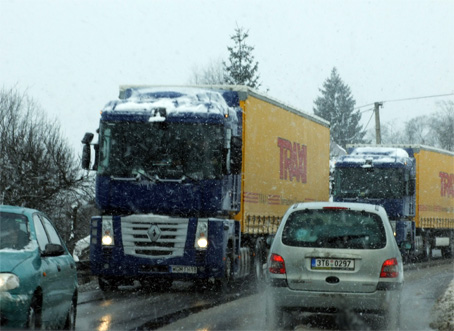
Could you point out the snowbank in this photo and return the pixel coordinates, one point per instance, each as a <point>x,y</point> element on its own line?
<point>445,310</point>
<point>81,245</point>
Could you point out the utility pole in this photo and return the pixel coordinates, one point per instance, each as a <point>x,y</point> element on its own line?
<point>377,106</point>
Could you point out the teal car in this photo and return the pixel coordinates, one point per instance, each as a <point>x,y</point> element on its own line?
<point>38,280</point>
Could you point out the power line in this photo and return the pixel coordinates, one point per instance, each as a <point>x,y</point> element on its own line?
<point>406,99</point>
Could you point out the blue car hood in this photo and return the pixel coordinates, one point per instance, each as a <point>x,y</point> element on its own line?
<point>10,259</point>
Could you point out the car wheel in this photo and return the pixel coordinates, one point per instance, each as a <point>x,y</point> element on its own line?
<point>34,315</point>
<point>274,316</point>
<point>392,316</point>
<point>70,323</point>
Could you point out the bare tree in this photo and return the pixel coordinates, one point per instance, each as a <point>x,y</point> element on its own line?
<point>37,168</point>
<point>435,130</point>
<point>212,74</point>
<point>442,125</point>
<point>390,134</point>
<point>418,131</point>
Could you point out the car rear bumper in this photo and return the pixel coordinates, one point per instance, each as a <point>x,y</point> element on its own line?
<point>374,302</point>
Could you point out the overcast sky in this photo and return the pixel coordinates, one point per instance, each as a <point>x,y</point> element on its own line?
<point>71,56</point>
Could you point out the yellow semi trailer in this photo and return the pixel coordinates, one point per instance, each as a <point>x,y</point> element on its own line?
<point>191,180</point>
<point>414,183</point>
<point>286,160</point>
<point>434,188</point>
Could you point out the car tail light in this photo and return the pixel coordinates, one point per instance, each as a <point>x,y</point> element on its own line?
<point>336,208</point>
<point>390,269</point>
<point>277,264</point>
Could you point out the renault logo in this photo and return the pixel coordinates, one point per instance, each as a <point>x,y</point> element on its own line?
<point>154,233</point>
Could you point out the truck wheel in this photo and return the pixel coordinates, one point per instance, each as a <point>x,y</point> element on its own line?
<point>106,284</point>
<point>202,285</point>
<point>224,285</point>
<point>157,285</point>
<point>448,251</point>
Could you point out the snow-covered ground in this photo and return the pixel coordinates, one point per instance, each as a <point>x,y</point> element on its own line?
<point>445,310</point>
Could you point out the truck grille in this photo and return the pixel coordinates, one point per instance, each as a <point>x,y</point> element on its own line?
<point>153,236</point>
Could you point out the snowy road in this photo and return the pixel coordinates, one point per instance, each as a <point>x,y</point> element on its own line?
<point>422,289</point>
<point>133,309</point>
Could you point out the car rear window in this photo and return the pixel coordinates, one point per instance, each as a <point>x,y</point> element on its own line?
<point>334,228</point>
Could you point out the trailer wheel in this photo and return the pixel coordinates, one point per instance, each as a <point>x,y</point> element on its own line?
<point>259,260</point>
<point>448,251</point>
<point>427,249</point>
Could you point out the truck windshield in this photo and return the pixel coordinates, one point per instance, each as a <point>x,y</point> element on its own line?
<point>368,183</point>
<point>163,150</point>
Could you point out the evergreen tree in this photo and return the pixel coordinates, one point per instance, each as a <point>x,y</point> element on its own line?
<point>336,105</point>
<point>241,70</point>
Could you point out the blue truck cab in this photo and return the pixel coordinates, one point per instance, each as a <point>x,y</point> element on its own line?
<point>383,176</point>
<point>167,184</point>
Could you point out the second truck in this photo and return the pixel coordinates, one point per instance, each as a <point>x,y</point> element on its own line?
<point>191,181</point>
<point>414,183</point>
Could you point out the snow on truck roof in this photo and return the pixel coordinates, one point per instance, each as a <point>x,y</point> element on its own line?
<point>376,154</point>
<point>380,151</point>
<point>173,100</point>
<point>214,93</point>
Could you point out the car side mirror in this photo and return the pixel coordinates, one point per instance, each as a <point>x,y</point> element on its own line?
<point>53,250</point>
<point>407,245</point>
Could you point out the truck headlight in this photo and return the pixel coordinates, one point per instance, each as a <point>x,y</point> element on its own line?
<point>107,231</point>
<point>201,235</point>
<point>8,282</point>
<point>202,242</point>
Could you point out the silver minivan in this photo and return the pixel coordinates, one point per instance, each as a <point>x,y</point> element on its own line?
<point>334,257</point>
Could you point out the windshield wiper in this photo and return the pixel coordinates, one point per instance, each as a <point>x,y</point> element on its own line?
<point>142,173</point>
<point>177,180</point>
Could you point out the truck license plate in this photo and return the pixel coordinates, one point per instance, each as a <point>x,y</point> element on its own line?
<point>332,264</point>
<point>184,269</point>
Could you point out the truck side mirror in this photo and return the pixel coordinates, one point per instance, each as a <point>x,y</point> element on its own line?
<point>96,148</point>
<point>86,152</point>
<point>86,157</point>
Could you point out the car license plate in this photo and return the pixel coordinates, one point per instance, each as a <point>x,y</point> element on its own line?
<point>184,269</point>
<point>332,264</point>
